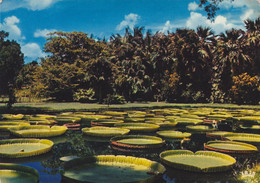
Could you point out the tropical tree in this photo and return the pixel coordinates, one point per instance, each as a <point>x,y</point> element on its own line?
<point>66,68</point>
<point>11,62</point>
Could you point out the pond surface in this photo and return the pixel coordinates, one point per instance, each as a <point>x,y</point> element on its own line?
<point>76,144</point>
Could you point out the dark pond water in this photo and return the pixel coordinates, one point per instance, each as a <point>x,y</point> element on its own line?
<point>76,144</point>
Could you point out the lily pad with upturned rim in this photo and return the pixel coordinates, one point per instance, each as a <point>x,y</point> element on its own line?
<point>244,137</point>
<point>110,169</point>
<point>19,148</point>
<point>137,141</point>
<point>105,131</point>
<point>170,134</point>
<point>217,134</point>
<point>13,173</point>
<point>201,161</point>
<point>105,122</point>
<point>230,147</point>
<point>4,126</point>
<point>12,116</point>
<point>138,127</point>
<point>38,131</point>
<point>199,128</point>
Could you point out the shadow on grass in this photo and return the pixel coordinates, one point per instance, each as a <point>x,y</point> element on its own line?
<point>24,110</point>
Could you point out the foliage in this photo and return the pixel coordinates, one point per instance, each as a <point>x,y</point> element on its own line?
<point>11,62</point>
<point>246,89</point>
<point>114,99</point>
<point>85,96</point>
<point>183,66</point>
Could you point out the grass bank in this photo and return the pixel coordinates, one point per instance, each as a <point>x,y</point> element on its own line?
<point>73,106</point>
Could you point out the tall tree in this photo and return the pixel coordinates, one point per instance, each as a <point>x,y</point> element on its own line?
<point>11,62</point>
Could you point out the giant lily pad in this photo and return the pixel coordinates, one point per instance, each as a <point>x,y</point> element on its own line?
<point>201,161</point>
<point>12,116</point>
<point>175,135</point>
<point>106,122</point>
<point>188,121</point>
<point>200,128</point>
<point>244,137</point>
<point>110,169</point>
<point>4,126</point>
<point>10,173</point>
<point>38,131</point>
<point>230,147</point>
<point>139,127</point>
<point>18,148</point>
<point>251,128</point>
<point>137,141</point>
<point>217,134</point>
<point>105,131</point>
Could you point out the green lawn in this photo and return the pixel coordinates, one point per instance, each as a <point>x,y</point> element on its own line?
<point>74,106</point>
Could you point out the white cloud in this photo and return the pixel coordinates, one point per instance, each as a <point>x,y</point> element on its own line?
<point>32,51</point>
<point>43,33</point>
<point>236,4</point>
<point>219,25</point>
<point>249,14</point>
<point>9,5</point>
<point>193,6</point>
<point>129,21</point>
<point>10,25</point>
<point>255,6</point>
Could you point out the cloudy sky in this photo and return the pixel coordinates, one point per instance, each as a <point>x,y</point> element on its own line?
<point>29,21</point>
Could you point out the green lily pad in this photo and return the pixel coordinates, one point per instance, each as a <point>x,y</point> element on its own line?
<point>106,122</point>
<point>12,116</point>
<point>217,134</point>
<point>230,147</point>
<point>244,137</point>
<point>201,161</point>
<point>174,134</point>
<point>138,127</point>
<point>105,131</point>
<point>19,148</point>
<point>12,173</point>
<point>137,141</point>
<point>200,128</point>
<point>4,126</point>
<point>188,121</point>
<point>111,169</point>
<point>38,131</point>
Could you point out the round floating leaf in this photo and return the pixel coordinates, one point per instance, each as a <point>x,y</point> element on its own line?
<point>105,131</point>
<point>114,113</point>
<point>217,134</point>
<point>12,116</point>
<point>230,147</point>
<point>38,131</point>
<point>174,134</point>
<point>244,137</point>
<point>19,148</point>
<point>110,169</point>
<point>12,173</point>
<point>137,141</point>
<point>188,121</point>
<point>106,122</point>
<point>200,128</point>
<point>4,126</point>
<point>253,128</point>
<point>201,161</point>
<point>139,127</point>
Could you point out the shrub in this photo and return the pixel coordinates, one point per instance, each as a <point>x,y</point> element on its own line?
<point>114,99</point>
<point>84,95</point>
<point>245,89</point>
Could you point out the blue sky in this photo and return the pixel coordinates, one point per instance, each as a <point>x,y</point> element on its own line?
<point>28,21</point>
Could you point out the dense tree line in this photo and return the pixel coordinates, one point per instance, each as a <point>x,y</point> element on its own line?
<point>184,66</point>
